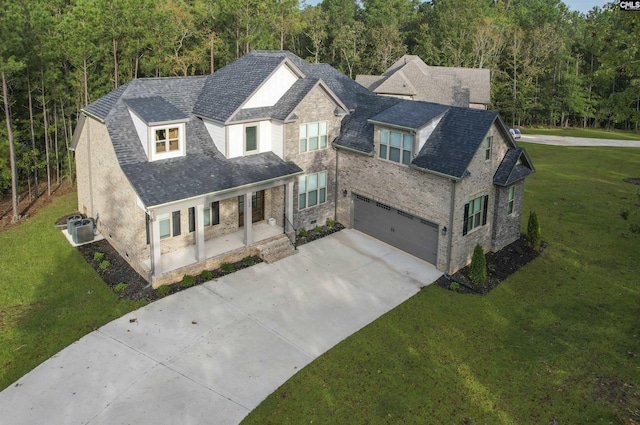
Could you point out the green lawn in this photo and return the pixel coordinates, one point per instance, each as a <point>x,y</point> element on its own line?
<point>580,132</point>
<point>49,295</point>
<point>561,338</point>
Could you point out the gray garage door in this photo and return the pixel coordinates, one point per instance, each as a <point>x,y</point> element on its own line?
<point>405,231</point>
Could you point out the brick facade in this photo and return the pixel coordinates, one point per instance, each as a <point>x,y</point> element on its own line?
<point>317,106</point>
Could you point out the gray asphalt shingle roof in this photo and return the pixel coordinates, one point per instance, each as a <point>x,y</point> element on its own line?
<point>155,109</point>
<point>515,166</point>
<point>410,114</point>
<point>454,141</point>
<point>202,170</point>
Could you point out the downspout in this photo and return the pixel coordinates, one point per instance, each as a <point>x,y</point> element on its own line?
<point>151,244</point>
<point>451,212</point>
<point>335,195</point>
<point>89,166</point>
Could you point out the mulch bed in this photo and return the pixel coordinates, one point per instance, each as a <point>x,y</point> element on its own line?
<point>632,180</point>
<point>500,265</point>
<point>137,288</point>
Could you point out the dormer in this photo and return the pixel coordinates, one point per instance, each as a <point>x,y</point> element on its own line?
<point>402,130</point>
<point>161,127</point>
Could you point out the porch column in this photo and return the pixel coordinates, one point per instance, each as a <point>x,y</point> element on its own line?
<point>289,208</point>
<point>248,222</point>
<point>154,242</point>
<point>201,255</point>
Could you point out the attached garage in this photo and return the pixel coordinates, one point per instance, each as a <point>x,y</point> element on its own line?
<point>405,231</point>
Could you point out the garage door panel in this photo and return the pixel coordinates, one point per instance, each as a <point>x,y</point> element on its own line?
<point>395,227</point>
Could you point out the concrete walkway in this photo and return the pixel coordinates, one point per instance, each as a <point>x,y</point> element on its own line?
<point>211,354</point>
<point>577,141</point>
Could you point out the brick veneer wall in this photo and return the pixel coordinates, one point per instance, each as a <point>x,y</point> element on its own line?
<point>315,107</point>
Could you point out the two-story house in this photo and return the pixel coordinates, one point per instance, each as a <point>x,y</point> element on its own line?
<point>185,173</point>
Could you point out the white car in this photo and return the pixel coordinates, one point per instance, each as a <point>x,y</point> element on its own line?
<point>515,132</point>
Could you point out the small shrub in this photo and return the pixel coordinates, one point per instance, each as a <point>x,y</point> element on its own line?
<point>187,281</point>
<point>206,275</point>
<point>98,256</point>
<point>478,267</point>
<point>248,260</point>
<point>454,286</point>
<point>624,214</point>
<point>226,267</point>
<point>120,287</point>
<point>317,229</point>
<point>331,222</point>
<point>104,264</point>
<point>533,232</point>
<point>302,232</point>
<point>163,290</point>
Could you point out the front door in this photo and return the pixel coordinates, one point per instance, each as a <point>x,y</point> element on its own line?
<point>257,207</point>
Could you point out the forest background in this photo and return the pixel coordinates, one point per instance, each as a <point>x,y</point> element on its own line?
<point>549,65</point>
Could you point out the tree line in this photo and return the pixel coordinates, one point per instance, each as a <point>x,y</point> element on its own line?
<point>549,65</point>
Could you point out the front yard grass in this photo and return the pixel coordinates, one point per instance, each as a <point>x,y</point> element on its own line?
<point>49,296</point>
<point>559,340</point>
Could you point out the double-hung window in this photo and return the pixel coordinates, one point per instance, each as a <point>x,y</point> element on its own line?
<point>511,199</point>
<point>487,147</point>
<point>169,222</point>
<point>313,136</point>
<point>312,190</point>
<point>475,214</point>
<point>396,146</point>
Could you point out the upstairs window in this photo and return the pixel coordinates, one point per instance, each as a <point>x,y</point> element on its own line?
<point>396,146</point>
<point>475,214</point>
<point>511,199</point>
<point>251,139</point>
<point>167,139</point>
<point>313,136</point>
<point>487,148</point>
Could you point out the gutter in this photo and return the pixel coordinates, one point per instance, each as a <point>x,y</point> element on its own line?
<point>89,114</point>
<point>426,170</point>
<point>222,192</point>
<point>338,147</point>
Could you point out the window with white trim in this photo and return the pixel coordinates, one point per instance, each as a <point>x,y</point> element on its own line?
<point>475,214</point>
<point>312,190</point>
<point>396,146</point>
<point>210,215</point>
<point>488,145</point>
<point>167,139</point>
<point>251,138</point>
<point>511,199</point>
<point>313,136</point>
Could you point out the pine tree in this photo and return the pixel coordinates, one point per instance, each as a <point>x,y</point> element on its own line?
<point>478,267</point>
<point>533,232</point>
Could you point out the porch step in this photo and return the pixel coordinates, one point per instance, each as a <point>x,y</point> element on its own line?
<point>276,249</point>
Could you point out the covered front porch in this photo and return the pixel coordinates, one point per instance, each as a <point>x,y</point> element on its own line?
<point>215,247</point>
<point>241,232</point>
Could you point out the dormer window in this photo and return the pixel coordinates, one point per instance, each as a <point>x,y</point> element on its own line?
<point>167,139</point>
<point>160,126</point>
<point>251,139</point>
<point>396,146</point>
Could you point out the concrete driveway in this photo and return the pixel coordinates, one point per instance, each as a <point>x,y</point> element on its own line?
<point>577,141</point>
<point>211,354</point>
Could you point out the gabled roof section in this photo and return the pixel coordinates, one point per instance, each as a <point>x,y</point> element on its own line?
<point>156,110</point>
<point>357,131</point>
<point>227,89</point>
<point>454,142</point>
<point>411,115</point>
<point>515,166</point>
<point>283,109</point>
<point>410,76</point>
<point>101,107</point>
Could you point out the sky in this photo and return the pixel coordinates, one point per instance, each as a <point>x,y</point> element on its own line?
<point>583,6</point>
